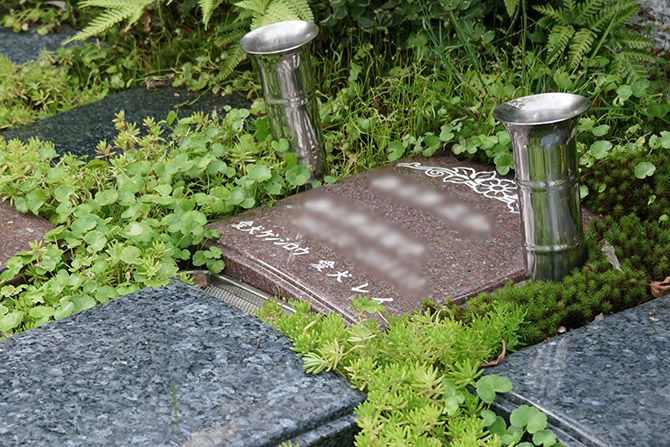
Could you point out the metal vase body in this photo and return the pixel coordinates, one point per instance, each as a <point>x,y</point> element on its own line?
<point>542,129</point>
<point>282,55</point>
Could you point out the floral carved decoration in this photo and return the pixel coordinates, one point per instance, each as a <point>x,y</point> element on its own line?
<point>486,183</point>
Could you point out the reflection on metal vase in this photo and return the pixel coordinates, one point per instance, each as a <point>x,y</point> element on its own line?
<point>542,128</point>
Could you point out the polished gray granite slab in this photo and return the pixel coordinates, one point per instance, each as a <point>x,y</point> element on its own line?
<point>26,46</point>
<point>170,366</point>
<point>605,384</point>
<point>79,130</point>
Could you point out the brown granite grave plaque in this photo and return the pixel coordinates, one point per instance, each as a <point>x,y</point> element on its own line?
<point>18,231</point>
<point>423,228</point>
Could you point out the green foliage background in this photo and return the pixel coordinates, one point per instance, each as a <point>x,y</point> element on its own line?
<point>395,79</point>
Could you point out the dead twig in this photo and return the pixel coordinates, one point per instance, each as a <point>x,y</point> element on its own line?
<point>497,361</point>
<point>258,343</point>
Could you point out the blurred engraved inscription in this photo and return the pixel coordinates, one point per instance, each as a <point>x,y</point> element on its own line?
<point>457,214</point>
<point>378,246</point>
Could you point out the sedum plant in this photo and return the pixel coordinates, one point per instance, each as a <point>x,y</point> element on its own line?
<point>645,244</point>
<point>633,180</point>
<point>38,89</point>
<point>422,373</point>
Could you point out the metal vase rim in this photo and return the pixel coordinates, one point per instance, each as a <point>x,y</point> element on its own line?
<point>541,109</point>
<point>279,37</point>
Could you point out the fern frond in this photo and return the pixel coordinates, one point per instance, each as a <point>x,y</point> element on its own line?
<point>109,4</point>
<point>103,22</point>
<point>603,20</point>
<point>137,14</point>
<point>626,10</point>
<point>581,44</point>
<point>232,35</point>
<point>641,56</point>
<point>115,12</point>
<point>631,40</point>
<point>558,41</point>
<point>265,12</point>
<point>554,16</point>
<point>257,7</point>
<point>627,66</point>
<point>232,60</point>
<point>587,11</point>
<point>277,11</point>
<point>206,7</point>
<point>302,10</point>
<point>510,6</point>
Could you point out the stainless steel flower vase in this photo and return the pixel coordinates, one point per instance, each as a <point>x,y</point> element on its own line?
<point>542,128</point>
<point>282,56</point>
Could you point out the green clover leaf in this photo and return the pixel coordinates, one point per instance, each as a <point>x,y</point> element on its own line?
<point>545,438</point>
<point>600,149</point>
<point>396,150</point>
<point>298,175</point>
<point>11,320</point>
<point>488,386</point>
<point>529,417</point>
<point>259,173</point>
<point>644,169</point>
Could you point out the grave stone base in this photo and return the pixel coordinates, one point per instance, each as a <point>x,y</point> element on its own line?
<point>602,385</point>
<point>170,366</point>
<point>26,46</point>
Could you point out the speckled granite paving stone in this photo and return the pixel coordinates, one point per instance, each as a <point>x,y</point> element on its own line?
<point>79,130</point>
<point>657,14</point>
<point>112,376</point>
<point>26,46</point>
<point>606,384</point>
<point>18,231</point>
<point>422,219</point>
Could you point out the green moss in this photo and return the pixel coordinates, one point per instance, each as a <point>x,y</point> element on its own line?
<point>644,244</point>
<point>626,194</point>
<point>595,288</point>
